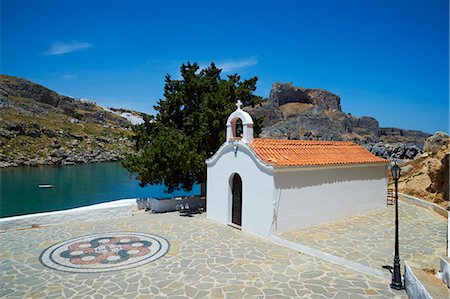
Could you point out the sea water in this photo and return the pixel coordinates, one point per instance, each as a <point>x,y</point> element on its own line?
<point>72,186</point>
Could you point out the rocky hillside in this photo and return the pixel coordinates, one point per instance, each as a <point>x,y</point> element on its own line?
<point>41,127</point>
<point>427,176</point>
<point>305,113</point>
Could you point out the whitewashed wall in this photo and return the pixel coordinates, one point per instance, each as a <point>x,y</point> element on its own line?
<point>320,195</point>
<point>257,189</point>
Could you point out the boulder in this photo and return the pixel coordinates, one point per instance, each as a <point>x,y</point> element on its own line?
<point>436,142</point>
<point>103,139</point>
<point>439,175</point>
<point>34,131</point>
<point>49,133</point>
<point>55,143</point>
<point>17,129</point>
<point>405,169</point>
<point>58,153</point>
<point>6,133</point>
<point>397,151</point>
<point>76,136</point>
<point>4,101</point>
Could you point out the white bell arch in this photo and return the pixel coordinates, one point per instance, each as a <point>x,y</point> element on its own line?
<point>247,124</point>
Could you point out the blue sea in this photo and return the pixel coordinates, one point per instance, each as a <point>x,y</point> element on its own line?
<point>73,186</point>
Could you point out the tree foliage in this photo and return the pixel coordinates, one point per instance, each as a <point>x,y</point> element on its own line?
<point>171,147</point>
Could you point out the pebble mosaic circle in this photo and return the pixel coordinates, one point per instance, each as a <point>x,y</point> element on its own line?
<point>104,252</point>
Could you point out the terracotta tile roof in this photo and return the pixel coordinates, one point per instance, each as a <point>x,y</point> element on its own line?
<point>307,153</point>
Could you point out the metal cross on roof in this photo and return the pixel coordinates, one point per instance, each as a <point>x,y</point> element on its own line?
<point>238,104</point>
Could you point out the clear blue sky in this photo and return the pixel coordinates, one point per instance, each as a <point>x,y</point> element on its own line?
<point>386,59</point>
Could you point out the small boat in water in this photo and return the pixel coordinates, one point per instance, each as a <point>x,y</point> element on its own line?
<point>45,185</point>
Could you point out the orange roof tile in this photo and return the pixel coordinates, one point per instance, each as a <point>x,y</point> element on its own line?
<point>307,152</point>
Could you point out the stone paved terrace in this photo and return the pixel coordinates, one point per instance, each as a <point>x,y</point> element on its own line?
<point>368,239</point>
<point>205,260</point>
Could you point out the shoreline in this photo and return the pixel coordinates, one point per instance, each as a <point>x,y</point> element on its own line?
<point>106,210</point>
<point>57,165</point>
<point>64,160</point>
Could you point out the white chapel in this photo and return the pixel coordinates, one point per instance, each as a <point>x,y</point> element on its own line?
<point>268,186</point>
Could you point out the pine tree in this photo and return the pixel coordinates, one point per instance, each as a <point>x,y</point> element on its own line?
<point>171,147</point>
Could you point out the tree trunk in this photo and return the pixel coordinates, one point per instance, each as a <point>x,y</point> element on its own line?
<point>203,191</point>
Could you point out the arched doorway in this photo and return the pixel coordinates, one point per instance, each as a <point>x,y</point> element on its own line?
<point>236,210</point>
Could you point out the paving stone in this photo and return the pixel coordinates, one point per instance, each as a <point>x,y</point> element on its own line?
<point>234,295</point>
<point>341,295</point>
<point>371,292</point>
<point>211,261</point>
<point>311,274</point>
<point>356,296</point>
<point>253,291</point>
<point>190,291</point>
<point>269,292</point>
<point>201,294</point>
<point>368,238</point>
<point>316,289</point>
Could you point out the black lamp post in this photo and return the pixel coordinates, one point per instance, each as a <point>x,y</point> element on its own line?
<point>396,275</point>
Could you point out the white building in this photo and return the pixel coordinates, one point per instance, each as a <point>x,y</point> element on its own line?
<point>268,186</point>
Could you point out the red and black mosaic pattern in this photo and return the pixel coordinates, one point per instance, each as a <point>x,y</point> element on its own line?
<point>104,252</point>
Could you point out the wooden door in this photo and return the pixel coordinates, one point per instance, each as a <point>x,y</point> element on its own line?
<point>236,217</point>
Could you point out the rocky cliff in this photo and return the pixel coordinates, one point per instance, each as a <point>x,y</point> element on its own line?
<point>427,176</point>
<point>304,113</point>
<point>41,127</point>
<point>287,93</point>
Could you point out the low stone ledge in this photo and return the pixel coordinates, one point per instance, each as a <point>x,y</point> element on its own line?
<point>109,210</point>
<point>424,203</point>
<point>445,270</point>
<point>413,287</point>
<point>422,285</point>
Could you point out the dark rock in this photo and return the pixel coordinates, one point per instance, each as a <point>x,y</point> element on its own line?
<point>103,139</point>
<point>317,115</point>
<point>56,160</point>
<point>269,111</point>
<point>58,153</point>
<point>49,133</point>
<point>283,93</point>
<point>404,136</point>
<point>8,164</point>
<point>6,134</point>
<point>4,101</point>
<point>397,151</point>
<point>45,100</point>
<point>34,131</point>
<point>76,136</point>
<point>55,144</point>
<point>17,129</point>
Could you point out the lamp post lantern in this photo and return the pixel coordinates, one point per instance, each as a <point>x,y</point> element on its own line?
<point>396,275</point>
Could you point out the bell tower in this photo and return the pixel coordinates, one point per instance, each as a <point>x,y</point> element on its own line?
<point>240,125</point>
